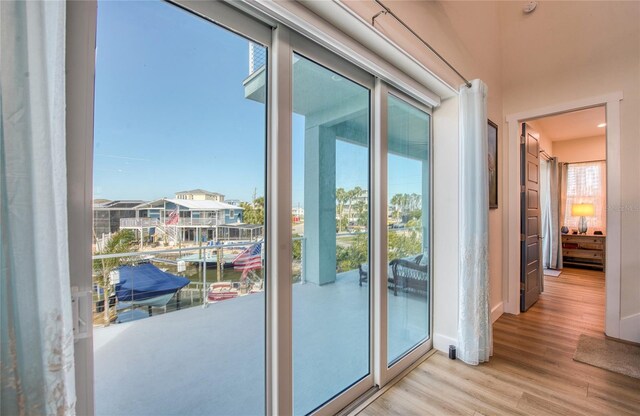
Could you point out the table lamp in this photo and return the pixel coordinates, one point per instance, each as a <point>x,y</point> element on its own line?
<point>582,211</point>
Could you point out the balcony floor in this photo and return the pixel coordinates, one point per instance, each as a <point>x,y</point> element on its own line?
<point>211,360</point>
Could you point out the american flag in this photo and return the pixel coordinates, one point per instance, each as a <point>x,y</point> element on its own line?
<point>173,218</point>
<point>249,259</point>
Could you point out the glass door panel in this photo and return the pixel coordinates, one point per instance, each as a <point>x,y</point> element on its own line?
<point>331,336</point>
<point>408,238</point>
<point>179,182</point>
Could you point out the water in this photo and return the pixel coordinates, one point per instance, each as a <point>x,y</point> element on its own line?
<point>194,273</point>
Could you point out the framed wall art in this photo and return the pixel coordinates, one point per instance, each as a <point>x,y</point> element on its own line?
<point>493,164</point>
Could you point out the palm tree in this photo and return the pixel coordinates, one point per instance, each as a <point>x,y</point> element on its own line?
<point>353,196</point>
<point>253,211</point>
<point>395,201</point>
<point>341,199</point>
<point>120,242</point>
<point>415,202</point>
<point>349,202</point>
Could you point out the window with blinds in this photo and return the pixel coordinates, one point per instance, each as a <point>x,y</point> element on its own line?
<point>586,184</point>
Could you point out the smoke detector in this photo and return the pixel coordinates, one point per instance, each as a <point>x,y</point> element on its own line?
<point>530,7</point>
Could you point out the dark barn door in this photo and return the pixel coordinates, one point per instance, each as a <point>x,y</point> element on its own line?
<point>530,264</point>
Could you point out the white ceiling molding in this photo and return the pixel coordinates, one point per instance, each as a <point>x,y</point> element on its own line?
<point>368,35</point>
<point>337,28</point>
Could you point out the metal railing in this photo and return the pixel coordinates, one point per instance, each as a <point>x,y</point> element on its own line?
<point>201,254</point>
<point>257,57</point>
<point>101,242</point>
<point>139,222</point>
<point>182,222</point>
<point>198,222</point>
<point>204,253</point>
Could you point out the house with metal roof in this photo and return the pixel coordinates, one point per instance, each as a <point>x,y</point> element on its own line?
<point>200,195</point>
<point>173,220</point>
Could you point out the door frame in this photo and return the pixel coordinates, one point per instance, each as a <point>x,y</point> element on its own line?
<point>511,217</point>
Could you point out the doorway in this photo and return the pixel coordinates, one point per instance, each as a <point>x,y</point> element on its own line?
<point>611,103</point>
<point>567,177</point>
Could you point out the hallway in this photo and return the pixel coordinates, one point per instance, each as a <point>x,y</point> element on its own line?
<point>532,371</point>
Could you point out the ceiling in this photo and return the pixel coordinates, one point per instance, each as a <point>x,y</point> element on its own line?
<point>574,125</point>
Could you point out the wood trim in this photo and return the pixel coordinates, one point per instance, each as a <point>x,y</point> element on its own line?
<point>511,216</point>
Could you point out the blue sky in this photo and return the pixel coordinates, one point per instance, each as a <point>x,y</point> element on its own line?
<point>170,112</point>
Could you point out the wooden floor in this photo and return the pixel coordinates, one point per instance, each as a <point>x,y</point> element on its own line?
<point>532,371</point>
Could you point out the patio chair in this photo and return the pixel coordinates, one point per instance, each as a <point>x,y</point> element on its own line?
<point>364,274</point>
<point>410,276</point>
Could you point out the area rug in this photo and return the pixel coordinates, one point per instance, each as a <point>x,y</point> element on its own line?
<point>554,273</point>
<point>608,354</point>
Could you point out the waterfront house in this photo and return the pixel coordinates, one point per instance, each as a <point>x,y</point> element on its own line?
<point>190,219</point>
<point>107,215</point>
<point>200,195</point>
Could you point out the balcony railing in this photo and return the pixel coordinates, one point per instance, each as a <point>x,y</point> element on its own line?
<point>155,222</point>
<point>228,339</point>
<point>139,222</point>
<point>201,255</point>
<point>257,57</point>
<point>198,222</point>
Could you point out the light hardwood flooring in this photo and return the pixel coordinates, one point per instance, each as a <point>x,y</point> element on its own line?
<point>532,371</point>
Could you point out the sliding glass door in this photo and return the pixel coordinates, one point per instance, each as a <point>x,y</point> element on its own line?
<point>179,187</point>
<point>408,238</point>
<point>215,134</point>
<point>331,296</point>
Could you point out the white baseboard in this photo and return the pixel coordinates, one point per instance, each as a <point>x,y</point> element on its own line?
<point>497,311</point>
<point>629,328</point>
<point>442,342</point>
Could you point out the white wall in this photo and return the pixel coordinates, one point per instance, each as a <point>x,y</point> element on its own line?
<point>588,49</point>
<point>581,150</point>
<point>563,52</point>
<point>543,140</point>
<point>445,224</point>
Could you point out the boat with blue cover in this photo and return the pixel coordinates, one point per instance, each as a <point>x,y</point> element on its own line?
<point>146,285</point>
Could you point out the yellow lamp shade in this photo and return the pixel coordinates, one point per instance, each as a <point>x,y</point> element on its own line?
<point>583,210</point>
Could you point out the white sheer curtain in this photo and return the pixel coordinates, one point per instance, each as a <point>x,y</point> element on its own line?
<point>474,319</point>
<point>35,306</point>
<point>562,173</point>
<point>586,183</point>
<point>545,210</point>
<point>550,204</point>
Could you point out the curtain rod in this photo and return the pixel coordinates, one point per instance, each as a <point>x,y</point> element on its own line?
<point>388,11</point>
<point>545,154</point>
<point>587,161</point>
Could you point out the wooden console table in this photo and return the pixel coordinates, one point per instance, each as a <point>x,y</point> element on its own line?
<point>584,250</point>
